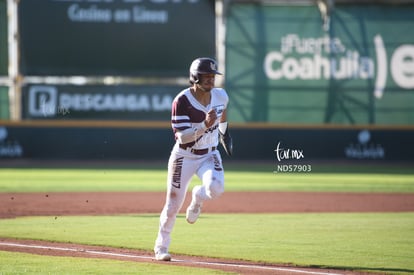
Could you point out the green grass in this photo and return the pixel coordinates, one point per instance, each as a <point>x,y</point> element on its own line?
<point>65,180</point>
<point>21,263</point>
<point>239,177</point>
<point>368,242</point>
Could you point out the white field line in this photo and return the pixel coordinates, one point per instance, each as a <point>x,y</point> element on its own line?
<point>286,269</point>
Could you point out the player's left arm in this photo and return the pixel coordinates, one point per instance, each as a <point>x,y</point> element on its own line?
<point>225,138</point>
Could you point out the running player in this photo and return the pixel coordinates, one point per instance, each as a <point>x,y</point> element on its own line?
<point>198,114</point>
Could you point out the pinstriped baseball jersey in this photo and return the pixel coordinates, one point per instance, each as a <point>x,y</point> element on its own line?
<point>186,110</point>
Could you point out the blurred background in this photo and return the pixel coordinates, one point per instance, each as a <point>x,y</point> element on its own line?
<point>94,79</point>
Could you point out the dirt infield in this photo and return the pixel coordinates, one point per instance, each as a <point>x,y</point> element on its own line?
<point>104,203</point>
<point>58,204</point>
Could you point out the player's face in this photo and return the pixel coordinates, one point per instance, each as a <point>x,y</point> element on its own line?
<point>206,82</point>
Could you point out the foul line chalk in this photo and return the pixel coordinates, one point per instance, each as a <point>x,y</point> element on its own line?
<point>121,255</point>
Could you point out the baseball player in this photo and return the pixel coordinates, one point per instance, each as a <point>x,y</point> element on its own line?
<point>198,119</point>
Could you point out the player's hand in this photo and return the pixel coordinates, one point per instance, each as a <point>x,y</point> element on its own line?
<point>211,117</point>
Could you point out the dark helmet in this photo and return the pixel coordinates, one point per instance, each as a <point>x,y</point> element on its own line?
<point>203,65</point>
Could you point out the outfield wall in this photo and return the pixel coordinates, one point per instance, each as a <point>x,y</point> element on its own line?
<point>153,141</point>
<point>345,89</point>
<point>284,65</point>
<point>128,38</point>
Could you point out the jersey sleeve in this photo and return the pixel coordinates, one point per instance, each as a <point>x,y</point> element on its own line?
<point>180,119</point>
<point>223,98</point>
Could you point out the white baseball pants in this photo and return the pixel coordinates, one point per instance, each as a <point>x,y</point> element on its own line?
<point>182,165</point>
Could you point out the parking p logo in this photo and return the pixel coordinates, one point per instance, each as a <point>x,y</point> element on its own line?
<point>42,101</point>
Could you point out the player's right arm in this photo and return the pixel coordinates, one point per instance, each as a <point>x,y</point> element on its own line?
<point>191,134</point>
<point>189,129</point>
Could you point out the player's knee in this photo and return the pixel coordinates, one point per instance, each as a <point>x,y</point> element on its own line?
<point>215,189</point>
<point>172,209</point>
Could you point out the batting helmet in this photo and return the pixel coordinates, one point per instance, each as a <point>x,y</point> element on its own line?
<point>203,65</point>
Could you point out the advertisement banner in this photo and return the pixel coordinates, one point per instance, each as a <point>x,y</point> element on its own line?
<point>4,103</point>
<point>3,38</point>
<point>10,147</point>
<point>108,37</point>
<point>121,102</point>
<point>293,150</point>
<point>282,66</point>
